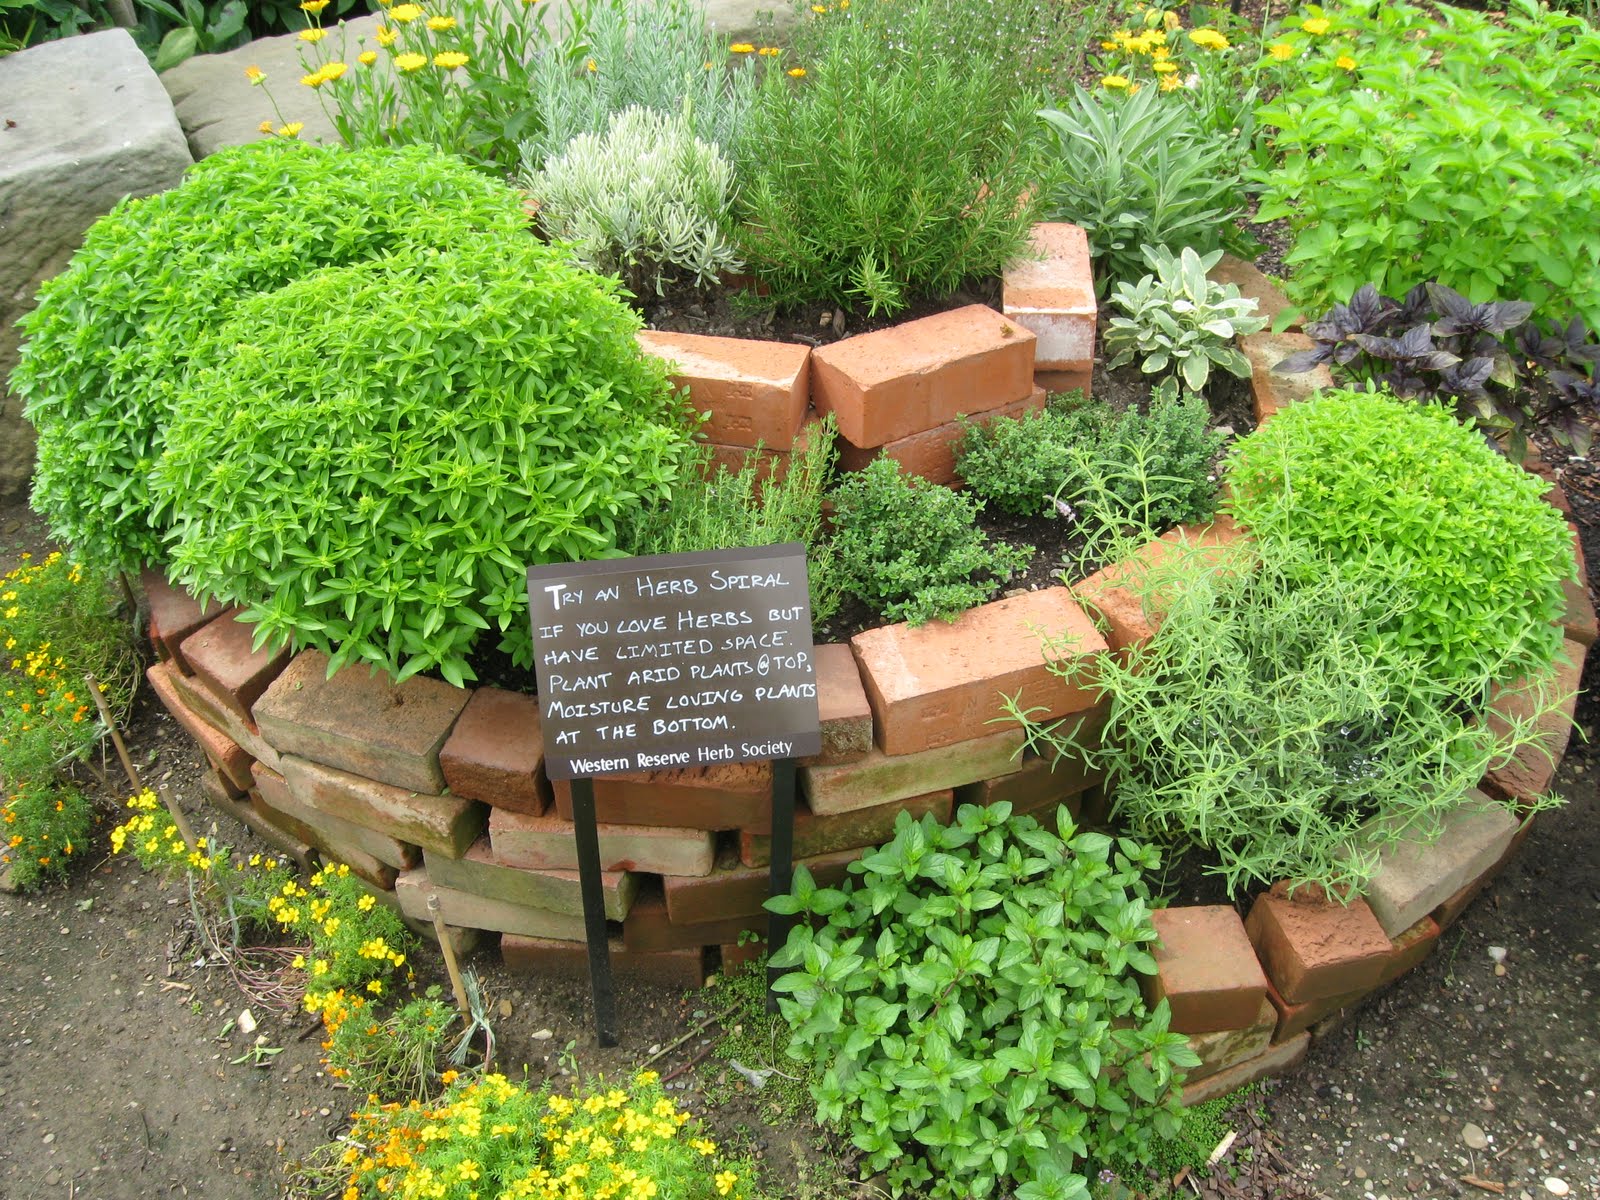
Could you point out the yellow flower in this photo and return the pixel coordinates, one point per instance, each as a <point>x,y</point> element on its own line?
<point>1114,82</point>
<point>313,35</point>
<point>405,13</point>
<point>440,24</point>
<point>386,36</point>
<point>313,6</point>
<point>254,75</point>
<point>1316,25</point>
<point>366,58</point>
<point>725,1181</point>
<point>411,62</point>
<point>741,48</point>
<point>1281,51</point>
<point>334,70</point>
<point>818,9</point>
<point>265,127</point>
<point>796,72</point>
<point>769,52</point>
<point>1170,83</point>
<point>375,987</point>
<point>365,903</point>
<point>1208,38</point>
<point>449,1077</point>
<point>1345,63</point>
<point>449,60</point>
<point>1164,68</point>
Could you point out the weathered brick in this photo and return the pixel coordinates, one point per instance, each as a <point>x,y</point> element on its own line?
<point>684,968</point>
<point>223,752</point>
<point>852,830</point>
<point>1415,876</point>
<point>1253,285</point>
<point>1314,948</point>
<point>1295,1019</point>
<point>881,779</point>
<point>898,381</point>
<point>1045,780</point>
<point>1408,948</point>
<point>478,871</point>
<point>738,956</point>
<point>943,682</point>
<point>1273,389</point>
<point>1056,383</point>
<point>205,700</point>
<point>463,941</point>
<point>331,833</point>
<point>1446,914</point>
<point>1529,772</point>
<point>931,453</point>
<point>550,844</point>
<point>1053,296</point>
<point>443,824</point>
<point>414,887</point>
<point>1206,969</point>
<point>363,865</point>
<point>753,391</point>
<point>842,707</point>
<point>734,890</point>
<point>361,722</point>
<point>1277,1060</point>
<point>157,647</point>
<point>174,615</point>
<point>1578,620</point>
<point>495,753</point>
<point>1225,1048</point>
<point>723,796</point>
<point>649,928</point>
<point>219,653</point>
<point>219,794</point>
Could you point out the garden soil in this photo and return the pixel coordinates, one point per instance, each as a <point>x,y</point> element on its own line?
<point>125,1071</point>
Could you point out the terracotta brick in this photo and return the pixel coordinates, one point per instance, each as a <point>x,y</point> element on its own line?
<point>220,795</point>
<point>1313,948</point>
<point>1531,769</point>
<point>881,779</point>
<point>330,833</point>
<point>734,890</point>
<point>846,831</point>
<point>1206,969</point>
<point>684,968</point>
<point>225,754</point>
<point>649,928</point>
<point>1056,383</point>
<point>443,824</point>
<point>842,707</point>
<point>174,615</point>
<point>1053,296</point>
<point>1415,876</point>
<point>1409,948</point>
<point>932,453</point>
<point>1253,285</point>
<point>753,391</point>
<point>480,872</point>
<point>1578,620</point>
<point>1276,1060</point>
<point>943,682</point>
<point>739,956</point>
<point>1272,389</point>
<point>898,381</point>
<point>722,796</point>
<point>361,722</point>
<point>1225,1048</point>
<point>549,843</point>
<point>205,700</point>
<point>1044,780</point>
<point>495,753</point>
<point>1295,1019</point>
<point>219,653</point>
<point>414,887</point>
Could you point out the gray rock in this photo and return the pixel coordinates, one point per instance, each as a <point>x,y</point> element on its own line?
<point>85,123</point>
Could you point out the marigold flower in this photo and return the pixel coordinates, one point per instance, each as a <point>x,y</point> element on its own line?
<point>411,62</point>
<point>1114,82</point>
<point>741,48</point>
<point>440,24</point>
<point>313,6</point>
<point>1210,39</point>
<point>313,34</point>
<point>1316,25</point>
<point>1170,83</point>
<point>769,52</point>
<point>1281,51</point>
<point>1164,68</point>
<point>405,13</point>
<point>1345,63</point>
<point>367,57</point>
<point>386,36</point>
<point>796,72</point>
<point>449,60</point>
<point>724,1181</point>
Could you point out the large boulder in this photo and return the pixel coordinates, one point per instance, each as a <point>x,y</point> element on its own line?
<point>83,123</point>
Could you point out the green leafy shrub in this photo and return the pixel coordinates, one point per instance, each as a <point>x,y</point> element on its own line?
<point>397,1056</point>
<point>892,169</point>
<point>1177,321</point>
<point>44,829</point>
<point>647,201</point>
<point>971,998</point>
<point>910,550</point>
<point>1377,486</point>
<point>1441,144</point>
<point>108,346</point>
<point>377,486</point>
<point>1018,463</point>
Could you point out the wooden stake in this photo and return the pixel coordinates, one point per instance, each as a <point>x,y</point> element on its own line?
<point>178,818</point>
<point>457,985</point>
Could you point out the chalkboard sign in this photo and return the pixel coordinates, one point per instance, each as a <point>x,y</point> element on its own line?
<point>674,660</point>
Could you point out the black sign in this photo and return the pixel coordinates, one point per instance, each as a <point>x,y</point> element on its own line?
<point>674,660</point>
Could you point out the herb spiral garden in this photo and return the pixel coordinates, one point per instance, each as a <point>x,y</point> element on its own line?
<point>1162,719</point>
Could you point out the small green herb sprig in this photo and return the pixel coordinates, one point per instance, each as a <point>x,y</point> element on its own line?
<point>971,997</point>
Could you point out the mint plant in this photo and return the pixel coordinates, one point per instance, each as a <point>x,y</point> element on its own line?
<point>971,999</point>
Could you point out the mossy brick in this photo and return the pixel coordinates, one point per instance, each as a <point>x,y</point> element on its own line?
<point>551,844</point>
<point>842,708</point>
<point>751,392</point>
<point>1050,292</point>
<point>1314,948</point>
<point>1272,388</point>
<point>479,872</point>
<point>931,453</point>
<point>331,833</point>
<point>910,377</point>
<point>495,752</point>
<point>1206,969</point>
<point>881,779</point>
<point>717,797</point>
<point>685,968</point>
<point>220,654</point>
<point>443,824</point>
<point>1530,770</point>
<point>174,615</point>
<point>1417,875</point>
<point>1275,1060</point>
<point>852,830</point>
<point>219,794</point>
<point>1253,285</point>
<point>363,865</point>
<point>946,682</point>
<point>733,890</point>
<point>465,942</point>
<point>1295,1019</point>
<point>1223,1048</point>
<point>649,928</point>
<point>225,754</point>
<point>360,722</point>
<point>1408,948</point>
<point>470,911</point>
<point>205,700</point>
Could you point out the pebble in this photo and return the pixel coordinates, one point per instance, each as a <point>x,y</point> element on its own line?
<point>1474,1136</point>
<point>505,1008</point>
<point>1556,1187</point>
<point>543,1035</point>
<point>1497,953</point>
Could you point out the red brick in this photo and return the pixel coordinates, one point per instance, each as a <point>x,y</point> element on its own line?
<point>1206,969</point>
<point>219,794</point>
<point>846,831</point>
<point>174,614</point>
<point>220,654</point>
<point>898,381</point>
<point>1409,948</point>
<point>932,453</point>
<point>741,956</point>
<point>362,865</point>
<point>1578,621</point>
<point>880,779</point>
<point>1278,1060</point>
<point>1314,948</point>
<point>1532,768</point>
<point>157,647</point>
<point>941,683</point>
<point>648,927</point>
<point>734,890</point>
<point>549,843</point>
<point>1253,285</point>
<point>1053,296</point>
<point>480,872</point>
<point>723,796</point>
<point>1045,780</point>
<point>224,753</point>
<point>684,968</point>
<point>444,824</point>
<point>842,707</point>
<point>205,700</point>
<point>1274,390</point>
<point>753,391</point>
<point>1225,1048</point>
<point>360,722</point>
<point>333,834</point>
<point>495,753</point>
<point>1295,1019</point>
<point>463,941</point>
<point>1056,383</point>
